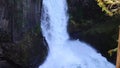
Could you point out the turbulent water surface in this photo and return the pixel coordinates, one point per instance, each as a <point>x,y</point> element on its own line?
<point>65,53</point>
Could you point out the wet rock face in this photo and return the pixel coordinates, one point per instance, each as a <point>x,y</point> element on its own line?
<point>4,31</point>
<point>89,24</point>
<point>86,9</point>
<point>21,41</point>
<point>28,53</point>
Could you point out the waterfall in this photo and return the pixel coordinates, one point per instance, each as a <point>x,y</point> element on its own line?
<point>65,53</point>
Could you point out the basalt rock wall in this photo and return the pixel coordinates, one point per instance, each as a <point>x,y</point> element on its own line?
<point>21,42</point>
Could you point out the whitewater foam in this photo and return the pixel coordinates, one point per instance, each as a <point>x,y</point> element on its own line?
<point>65,53</point>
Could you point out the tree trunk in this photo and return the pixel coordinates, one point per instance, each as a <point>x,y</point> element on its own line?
<point>118,52</point>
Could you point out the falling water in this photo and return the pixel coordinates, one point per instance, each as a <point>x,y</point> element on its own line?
<point>65,53</point>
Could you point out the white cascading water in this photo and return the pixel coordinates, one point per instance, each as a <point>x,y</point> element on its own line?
<point>65,53</point>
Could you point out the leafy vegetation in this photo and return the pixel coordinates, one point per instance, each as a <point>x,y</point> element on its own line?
<point>111,7</point>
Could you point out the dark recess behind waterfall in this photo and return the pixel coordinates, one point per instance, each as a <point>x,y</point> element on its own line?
<point>89,24</point>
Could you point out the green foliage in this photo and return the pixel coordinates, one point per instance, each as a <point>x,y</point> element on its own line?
<point>110,7</point>
<point>112,51</point>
